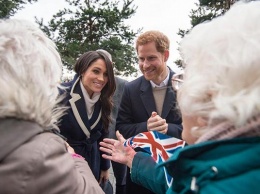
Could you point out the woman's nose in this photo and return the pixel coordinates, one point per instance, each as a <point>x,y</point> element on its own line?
<point>101,77</point>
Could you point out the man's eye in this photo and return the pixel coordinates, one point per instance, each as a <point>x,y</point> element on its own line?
<point>151,58</point>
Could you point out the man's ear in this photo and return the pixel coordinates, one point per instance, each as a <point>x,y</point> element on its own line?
<point>166,55</point>
<point>202,122</point>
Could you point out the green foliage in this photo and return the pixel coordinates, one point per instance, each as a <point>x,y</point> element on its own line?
<point>178,62</point>
<point>91,25</point>
<point>222,5</point>
<point>9,7</point>
<point>206,11</point>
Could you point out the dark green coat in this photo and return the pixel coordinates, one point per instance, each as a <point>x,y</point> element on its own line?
<point>228,167</point>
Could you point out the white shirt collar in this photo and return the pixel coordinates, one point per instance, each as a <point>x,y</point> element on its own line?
<point>163,83</point>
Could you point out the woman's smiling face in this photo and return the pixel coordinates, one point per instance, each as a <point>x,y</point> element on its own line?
<point>95,77</point>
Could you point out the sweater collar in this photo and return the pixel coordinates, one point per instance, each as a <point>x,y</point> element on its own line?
<point>90,102</point>
<point>226,130</point>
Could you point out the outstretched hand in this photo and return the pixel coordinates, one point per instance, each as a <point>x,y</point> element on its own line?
<point>116,151</point>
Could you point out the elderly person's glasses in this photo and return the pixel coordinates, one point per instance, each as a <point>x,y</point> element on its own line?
<point>177,80</point>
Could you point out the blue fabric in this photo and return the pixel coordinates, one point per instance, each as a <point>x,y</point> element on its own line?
<point>137,105</point>
<point>107,187</point>
<point>228,167</point>
<point>158,145</point>
<point>70,128</point>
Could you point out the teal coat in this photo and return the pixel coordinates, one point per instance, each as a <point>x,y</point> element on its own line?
<point>227,166</point>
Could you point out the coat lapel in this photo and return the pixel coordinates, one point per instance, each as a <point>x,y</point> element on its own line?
<point>148,99</point>
<point>93,121</point>
<point>169,101</point>
<point>78,107</point>
<point>146,96</point>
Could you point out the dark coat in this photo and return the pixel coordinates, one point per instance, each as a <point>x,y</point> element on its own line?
<point>137,105</point>
<point>120,84</point>
<point>83,134</point>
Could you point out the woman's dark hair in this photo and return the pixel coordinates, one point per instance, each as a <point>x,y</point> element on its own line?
<point>107,92</point>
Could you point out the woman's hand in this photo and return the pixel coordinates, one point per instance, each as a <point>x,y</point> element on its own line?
<point>70,149</point>
<point>116,151</point>
<point>104,176</point>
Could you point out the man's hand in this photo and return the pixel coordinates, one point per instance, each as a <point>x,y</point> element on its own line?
<point>156,123</point>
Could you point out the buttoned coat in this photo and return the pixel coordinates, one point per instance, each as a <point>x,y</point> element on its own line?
<point>83,134</point>
<point>137,105</point>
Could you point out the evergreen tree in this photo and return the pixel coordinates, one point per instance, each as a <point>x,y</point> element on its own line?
<point>206,10</point>
<point>91,25</point>
<point>8,8</point>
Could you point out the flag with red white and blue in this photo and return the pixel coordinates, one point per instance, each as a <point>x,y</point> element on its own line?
<point>160,146</point>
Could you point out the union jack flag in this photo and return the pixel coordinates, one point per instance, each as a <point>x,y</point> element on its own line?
<point>160,146</point>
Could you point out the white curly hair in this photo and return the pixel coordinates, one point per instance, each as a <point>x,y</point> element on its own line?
<point>30,71</point>
<point>222,73</point>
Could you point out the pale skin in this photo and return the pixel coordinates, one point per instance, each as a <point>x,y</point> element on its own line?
<point>116,151</point>
<point>70,149</point>
<point>157,123</point>
<point>152,63</point>
<point>95,77</point>
<point>153,66</point>
<point>94,80</point>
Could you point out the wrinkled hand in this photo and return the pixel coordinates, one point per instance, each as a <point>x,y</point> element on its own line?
<point>104,176</point>
<point>157,123</point>
<point>70,149</point>
<point>116,151</point>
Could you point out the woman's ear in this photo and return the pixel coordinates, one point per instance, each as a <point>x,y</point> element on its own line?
<point>202,122</point>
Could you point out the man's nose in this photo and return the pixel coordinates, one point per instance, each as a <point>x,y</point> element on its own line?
<point>146,63</point>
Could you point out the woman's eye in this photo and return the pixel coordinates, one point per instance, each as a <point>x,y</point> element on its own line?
<point>95,71</point>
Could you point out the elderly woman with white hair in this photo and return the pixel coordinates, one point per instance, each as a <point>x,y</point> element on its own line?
<point>34,158</point>
<point>220,107</point>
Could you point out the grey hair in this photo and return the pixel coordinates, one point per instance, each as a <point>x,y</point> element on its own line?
<point>222,75</point>
<point>106,53</point>
<point>30,71</point>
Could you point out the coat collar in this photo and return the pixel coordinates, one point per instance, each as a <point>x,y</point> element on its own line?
<point>79,108</point>
<point>14,132</point>
<point>223,155</point>
<point>148,100</point>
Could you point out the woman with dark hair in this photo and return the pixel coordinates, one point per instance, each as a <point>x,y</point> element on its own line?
<point>218,97</point>
<point>88,97</point>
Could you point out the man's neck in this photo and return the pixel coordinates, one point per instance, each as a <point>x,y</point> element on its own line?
<point>161,77</point>
<point>164,77</point>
